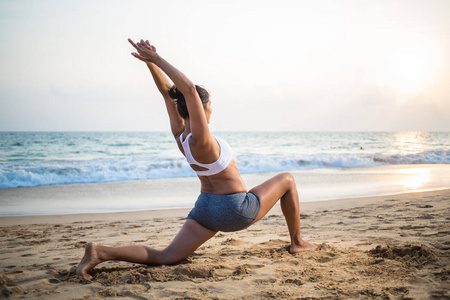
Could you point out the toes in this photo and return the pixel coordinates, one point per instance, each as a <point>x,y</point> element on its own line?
<point>84,275</point>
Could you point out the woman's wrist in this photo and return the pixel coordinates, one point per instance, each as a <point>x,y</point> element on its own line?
<point>157,60</point>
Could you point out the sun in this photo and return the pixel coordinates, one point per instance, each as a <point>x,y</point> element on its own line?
<point>409,66</point>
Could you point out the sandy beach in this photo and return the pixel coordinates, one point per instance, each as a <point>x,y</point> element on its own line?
<point>385,247</point>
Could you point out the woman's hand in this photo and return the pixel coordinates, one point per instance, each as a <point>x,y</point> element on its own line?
<point>146,52</point>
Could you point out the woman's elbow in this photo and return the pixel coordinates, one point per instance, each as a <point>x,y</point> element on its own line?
<point>190,90</point>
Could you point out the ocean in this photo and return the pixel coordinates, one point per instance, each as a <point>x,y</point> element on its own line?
<point>29,159</point>
<point>48,173</point>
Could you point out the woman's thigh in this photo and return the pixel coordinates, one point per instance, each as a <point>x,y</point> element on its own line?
<point>270,191</point>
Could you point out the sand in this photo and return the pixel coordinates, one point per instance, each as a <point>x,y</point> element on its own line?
<point>386,247</point>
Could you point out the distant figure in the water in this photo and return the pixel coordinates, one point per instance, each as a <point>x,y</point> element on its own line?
<point>225,203</point>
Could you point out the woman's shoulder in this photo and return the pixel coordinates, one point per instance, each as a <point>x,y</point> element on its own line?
<point>193,140</point>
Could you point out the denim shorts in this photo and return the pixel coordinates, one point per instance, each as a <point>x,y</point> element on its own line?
<point>227,213</point>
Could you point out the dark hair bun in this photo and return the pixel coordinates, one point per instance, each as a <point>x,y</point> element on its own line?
<point>174,93</point>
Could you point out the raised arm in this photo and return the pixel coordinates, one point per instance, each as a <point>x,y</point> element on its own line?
<point>198,123</point>
<point>163,85</point>
<point>161,81</point>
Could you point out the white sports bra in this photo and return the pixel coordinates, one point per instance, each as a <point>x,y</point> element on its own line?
<point>213,168</point>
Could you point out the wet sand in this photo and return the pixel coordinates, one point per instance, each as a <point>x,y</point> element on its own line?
<point>385,247</point>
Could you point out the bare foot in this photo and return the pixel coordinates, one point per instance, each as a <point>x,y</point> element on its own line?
<point>303,246</point>
<point>89,261</point>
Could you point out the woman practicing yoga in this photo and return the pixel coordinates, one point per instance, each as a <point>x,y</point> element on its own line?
<point>224,204</point>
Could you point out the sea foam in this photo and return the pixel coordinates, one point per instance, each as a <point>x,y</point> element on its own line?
<point>53,172</point>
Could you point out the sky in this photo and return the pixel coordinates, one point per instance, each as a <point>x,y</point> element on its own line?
<point>293,65</point>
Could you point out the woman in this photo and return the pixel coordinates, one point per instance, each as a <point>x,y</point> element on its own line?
<point>224,204</point>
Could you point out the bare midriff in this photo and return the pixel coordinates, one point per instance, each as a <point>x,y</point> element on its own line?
<point>229,181</point>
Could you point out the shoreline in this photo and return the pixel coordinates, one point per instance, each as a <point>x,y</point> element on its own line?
<point>313,185</point>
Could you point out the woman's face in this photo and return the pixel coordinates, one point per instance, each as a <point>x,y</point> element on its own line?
<point>208,111</point>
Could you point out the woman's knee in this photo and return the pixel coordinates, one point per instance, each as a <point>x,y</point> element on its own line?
<point>289,179</point>
<point>170,257</point>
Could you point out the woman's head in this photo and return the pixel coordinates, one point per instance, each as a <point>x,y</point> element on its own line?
<point>175,94</point>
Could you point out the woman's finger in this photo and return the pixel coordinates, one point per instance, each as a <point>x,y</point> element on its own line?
<point>134,45</point>
<point>138,56</point>
<point>145,44</point>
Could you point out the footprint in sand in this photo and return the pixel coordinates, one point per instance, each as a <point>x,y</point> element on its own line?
<point>264,281</point>
<point>293,281</point>
<point>80,244</point>
<point>65,239</point>
<point>134,226</point>
<point>231,242</point>
<point>424,206</point>
<point>426,217</point>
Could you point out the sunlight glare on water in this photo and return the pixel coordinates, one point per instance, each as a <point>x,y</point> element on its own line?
<point>410,142</point>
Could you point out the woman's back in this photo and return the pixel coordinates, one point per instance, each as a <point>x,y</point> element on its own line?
<point>213,163</point>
